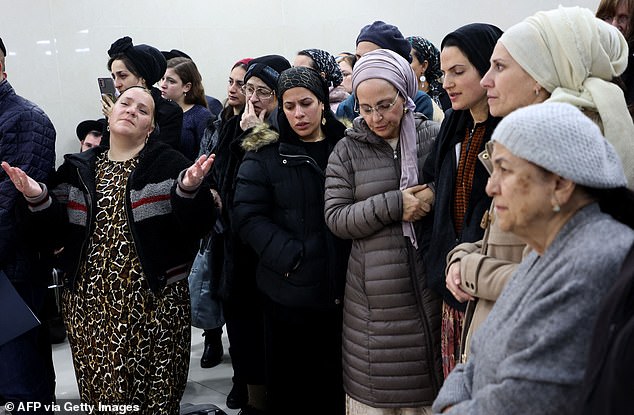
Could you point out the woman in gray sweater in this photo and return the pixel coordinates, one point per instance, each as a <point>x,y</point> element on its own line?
<point>558,185</point>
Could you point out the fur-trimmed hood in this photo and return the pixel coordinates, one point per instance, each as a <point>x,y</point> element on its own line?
<point>262,135</point>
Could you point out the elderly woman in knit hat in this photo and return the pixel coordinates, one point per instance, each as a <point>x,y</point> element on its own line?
<point>457,178</point>
<point>558,185</point>
<point>144,65</point>
<point>373,196</point>
<point>565,55</point>
<point>301,270</point>
<point>326,64</point>
<point>426,66</point>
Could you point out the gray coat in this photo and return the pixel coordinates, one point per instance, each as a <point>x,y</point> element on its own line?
<point>391,327</point>
<point>529,356</point>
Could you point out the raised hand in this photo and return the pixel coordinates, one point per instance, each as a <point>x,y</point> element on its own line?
<point>106,105</point>
<point>195,174</point>
<point>25,185</point>
<point>249,118</point>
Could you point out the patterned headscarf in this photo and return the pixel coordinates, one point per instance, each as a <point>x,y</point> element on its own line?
<point>300,76</point>
<point>309,78</point>
<point>426,51</point>
<point>393,68</point>
<point>326,63</point>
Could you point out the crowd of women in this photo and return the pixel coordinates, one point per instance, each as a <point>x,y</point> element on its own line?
<point>448,238</point>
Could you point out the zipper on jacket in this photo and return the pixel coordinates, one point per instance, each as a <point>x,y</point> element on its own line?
<point>89,212</point>
<point>126,208</point>
<point>411,252</point>
<point>311,161</point>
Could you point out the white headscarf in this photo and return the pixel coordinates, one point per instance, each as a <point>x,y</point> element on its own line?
<point>574,56</point>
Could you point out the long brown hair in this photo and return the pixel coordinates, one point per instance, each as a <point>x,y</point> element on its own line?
<point>188,73</point>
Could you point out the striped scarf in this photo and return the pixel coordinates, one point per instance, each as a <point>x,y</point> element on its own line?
<point>466,169</point>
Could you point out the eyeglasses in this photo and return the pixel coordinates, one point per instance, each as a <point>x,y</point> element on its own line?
<point>380,109</point>
<point>262,93</point>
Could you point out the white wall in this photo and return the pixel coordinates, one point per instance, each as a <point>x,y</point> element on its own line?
<point>57,48</point>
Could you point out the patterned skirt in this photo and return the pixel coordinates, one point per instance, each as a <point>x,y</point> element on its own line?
<point>450,337</point>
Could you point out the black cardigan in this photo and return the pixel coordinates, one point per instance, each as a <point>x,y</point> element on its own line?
<point>440,169</point>
<point>166,236</point>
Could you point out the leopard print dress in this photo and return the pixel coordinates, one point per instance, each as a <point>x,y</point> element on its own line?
<point>129,346</point>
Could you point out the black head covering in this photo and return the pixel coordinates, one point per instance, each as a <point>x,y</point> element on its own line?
<point>87,126</point>
<point>386,36</point>
<point>174,53</point>
<point>4,50</point>
<point>301,76</point>
<point>476,41</point>
<point>149,61</point>
<point>309,78</point>
<point>325,63</point>
<point>268,68</point>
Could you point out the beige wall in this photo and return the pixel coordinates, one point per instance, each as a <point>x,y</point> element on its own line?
<point>57,48</point>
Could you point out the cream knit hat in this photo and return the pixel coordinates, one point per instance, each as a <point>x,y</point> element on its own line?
<point>561,139</point>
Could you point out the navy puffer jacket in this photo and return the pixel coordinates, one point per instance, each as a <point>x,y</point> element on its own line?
<point>27,141</point>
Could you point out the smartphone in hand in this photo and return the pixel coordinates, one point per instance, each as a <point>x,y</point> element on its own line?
<point>106,86</point>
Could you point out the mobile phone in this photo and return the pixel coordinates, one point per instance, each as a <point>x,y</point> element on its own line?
<point>106,86</point>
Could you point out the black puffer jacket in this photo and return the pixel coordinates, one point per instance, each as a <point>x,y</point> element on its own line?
<point>279,212</point>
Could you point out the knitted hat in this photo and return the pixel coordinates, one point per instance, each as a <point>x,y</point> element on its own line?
<point>476,41</point>
<point>87,126</point>
<point>149,61</point>
<point>268,68</point>
<point>4,50</point>
<point>386,36</point>
<point>561,139</point>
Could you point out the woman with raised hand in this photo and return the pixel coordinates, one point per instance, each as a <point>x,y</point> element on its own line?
<point>574,211</point>
<point>374,196</point>
<point>130,217</point>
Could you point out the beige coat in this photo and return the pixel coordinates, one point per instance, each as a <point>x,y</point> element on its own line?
<point>485,267</point>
